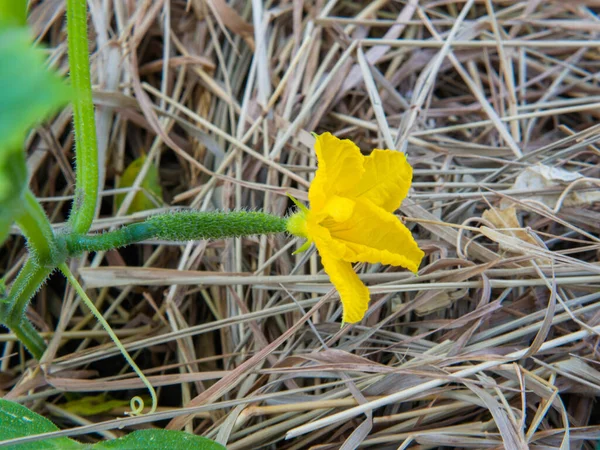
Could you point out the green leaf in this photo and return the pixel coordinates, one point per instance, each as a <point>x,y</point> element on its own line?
<point>13,13</point>
<point>13,179</point>
<point>150,184</point>
<point>159,439</point>
<point>18,421</point>
<point>29,91</point>
<point>91,405</point>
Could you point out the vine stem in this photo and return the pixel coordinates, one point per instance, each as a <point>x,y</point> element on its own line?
<point>28,281</point>
<point>30,338</point>
<point>43,256</point>
<point>137,404</point>
<point>86,151</point>
<point>179,226</point>
<point>36,228</point>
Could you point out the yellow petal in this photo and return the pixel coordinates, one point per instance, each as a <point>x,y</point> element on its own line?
<point>322,237</point>
<point>339,208</point>
<point>353,293</point>
<point>386,179</point>
<point>340,165</point>
<point>374,235</point>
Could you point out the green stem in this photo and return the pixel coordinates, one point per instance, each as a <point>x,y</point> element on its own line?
<point>36,228</point>
<point>29,337</point>
<point>136,400</point>
<point>130,234</point>
<point>86,188</point>
<point>12,310</point>
<point>193,225</point>
<point>180,226</point>
<point>27,283</point>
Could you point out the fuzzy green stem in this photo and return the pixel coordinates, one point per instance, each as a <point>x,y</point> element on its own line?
<point>36,228</point>
<point>29,337</point>
<point>27,283</point>
<point>130,234</point>
<point>179,226</point>
<point>192,225</point>
<point>12,309</point>
<point>86,186</point>
<point>136,400</point>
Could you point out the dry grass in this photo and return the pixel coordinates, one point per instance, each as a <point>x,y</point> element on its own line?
<point>493,345</point>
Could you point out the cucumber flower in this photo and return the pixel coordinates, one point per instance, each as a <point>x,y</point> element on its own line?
<point>352,200</point>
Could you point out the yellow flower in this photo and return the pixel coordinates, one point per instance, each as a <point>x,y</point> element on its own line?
<point>352,200</point>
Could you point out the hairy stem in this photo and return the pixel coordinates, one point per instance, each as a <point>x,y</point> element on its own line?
<point>86,185</point>
<point>36,228</point>
<point>127,235</point>
<point>193,225</point>
<point>27,283</point>
<point>180,226</point>
<point>12,309</point>
<point>29,337</point>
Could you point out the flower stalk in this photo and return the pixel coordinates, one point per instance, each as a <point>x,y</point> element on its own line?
<point>179,226</point>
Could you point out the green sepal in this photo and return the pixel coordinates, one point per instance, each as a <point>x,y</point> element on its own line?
<point>297,202</point>
<point>303,247</point>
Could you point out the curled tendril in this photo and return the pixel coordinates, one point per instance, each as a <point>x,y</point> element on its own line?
<point>137,406</point>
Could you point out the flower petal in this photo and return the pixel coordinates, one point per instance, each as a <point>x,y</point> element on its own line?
<point>322,237</point>
<point>340,166</point>
<point>353,293</point>
<point>386,179</point>
<point>339,208</point>
<point>374,235</point>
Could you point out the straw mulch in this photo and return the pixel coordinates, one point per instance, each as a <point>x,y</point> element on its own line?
<point>493,345</point>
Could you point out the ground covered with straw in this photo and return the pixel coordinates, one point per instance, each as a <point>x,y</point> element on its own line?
<point>493,345</point>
